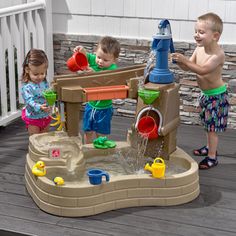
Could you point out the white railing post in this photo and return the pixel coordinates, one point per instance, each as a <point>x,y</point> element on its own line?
<point>3,84</point>
<point>49,37</point>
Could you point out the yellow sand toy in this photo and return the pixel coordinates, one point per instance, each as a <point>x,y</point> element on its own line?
<point>39,169</point>
<point>157,168</point>
<point>58,180</point>
<point>60,118</point>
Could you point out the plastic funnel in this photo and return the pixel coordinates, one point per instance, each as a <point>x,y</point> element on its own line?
<point>147,127</point>
<point>78,61</point>
<point>50,97</point>
<point>148,96</point>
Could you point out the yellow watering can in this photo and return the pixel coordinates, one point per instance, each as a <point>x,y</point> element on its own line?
<point>157,168</point>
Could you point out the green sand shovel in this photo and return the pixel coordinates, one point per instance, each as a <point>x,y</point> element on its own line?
<point>103,143</point>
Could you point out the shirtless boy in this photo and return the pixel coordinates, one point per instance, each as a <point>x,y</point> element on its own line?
<point>207,62</point>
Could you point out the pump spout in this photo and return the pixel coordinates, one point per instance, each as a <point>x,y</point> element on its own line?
<point>164,27</point>
<point>163,23</point>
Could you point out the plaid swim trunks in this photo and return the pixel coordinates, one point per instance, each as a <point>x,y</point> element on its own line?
<point>214,111</point>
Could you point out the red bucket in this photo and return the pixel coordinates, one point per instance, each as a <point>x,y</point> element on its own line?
<point>147,127</point>
<point>78,61</point>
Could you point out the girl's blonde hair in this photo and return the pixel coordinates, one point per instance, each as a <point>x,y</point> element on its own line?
<point>215,22</point>
<point>34,57</point>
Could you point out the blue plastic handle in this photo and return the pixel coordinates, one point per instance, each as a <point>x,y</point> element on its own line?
<point>107,176</point>
<point>163,23</point>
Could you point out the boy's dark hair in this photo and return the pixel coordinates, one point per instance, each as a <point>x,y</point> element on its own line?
<point>35,57</point>
<point>214,20</point>
<point>110,45</point>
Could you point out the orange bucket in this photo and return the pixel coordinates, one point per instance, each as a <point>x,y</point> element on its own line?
<point>147,127</point>
<point>78,61</point>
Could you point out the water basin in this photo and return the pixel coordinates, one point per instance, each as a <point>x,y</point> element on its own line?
<point>128,185</point>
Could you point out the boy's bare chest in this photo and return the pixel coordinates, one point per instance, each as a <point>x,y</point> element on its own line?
<point>203,58</point>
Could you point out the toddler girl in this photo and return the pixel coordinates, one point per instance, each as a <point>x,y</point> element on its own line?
<point>35,114</point>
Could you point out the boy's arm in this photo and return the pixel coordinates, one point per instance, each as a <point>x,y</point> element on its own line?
<point>81,49</point>
<point>209,66</point>
<point>177,56</point>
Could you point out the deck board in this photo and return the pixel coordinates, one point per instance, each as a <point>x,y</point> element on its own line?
<point>212,213</point>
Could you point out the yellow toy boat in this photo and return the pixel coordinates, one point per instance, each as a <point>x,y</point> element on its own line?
<point>39,169</point>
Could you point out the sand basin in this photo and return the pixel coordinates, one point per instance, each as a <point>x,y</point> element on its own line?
<point>128,185</point>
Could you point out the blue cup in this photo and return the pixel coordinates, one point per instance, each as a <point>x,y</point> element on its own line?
<point>95,176</point>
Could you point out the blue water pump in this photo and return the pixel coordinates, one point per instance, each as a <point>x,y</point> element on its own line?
<point>162,43</point>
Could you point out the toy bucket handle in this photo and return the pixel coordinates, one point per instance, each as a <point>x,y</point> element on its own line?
<point>106,175</point>
<point>149,108</point>
<point>159,159</point>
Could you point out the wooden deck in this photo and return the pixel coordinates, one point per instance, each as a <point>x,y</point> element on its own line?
<point>212,213</point>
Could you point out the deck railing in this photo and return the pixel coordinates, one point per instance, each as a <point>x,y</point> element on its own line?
<point>22,27</point>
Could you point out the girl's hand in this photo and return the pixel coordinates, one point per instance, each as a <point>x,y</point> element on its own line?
<point>45,108</point>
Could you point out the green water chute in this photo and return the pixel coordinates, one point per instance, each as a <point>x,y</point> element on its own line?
<point>148,96</point>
